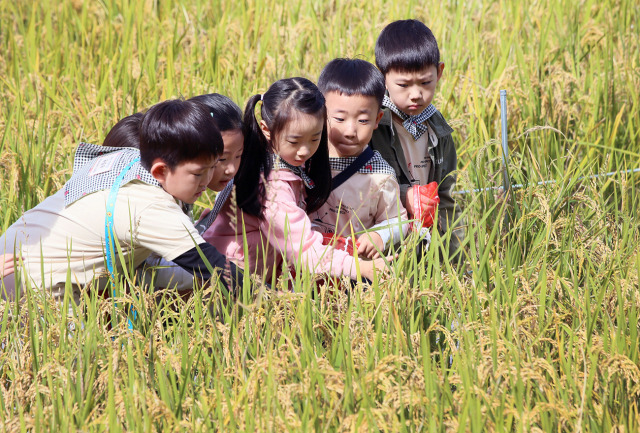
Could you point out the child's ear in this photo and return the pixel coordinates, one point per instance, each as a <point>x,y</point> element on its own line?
<point>440,69</point>
<point>265,130</point>
<point>159,170</point>
<point>379,118</point>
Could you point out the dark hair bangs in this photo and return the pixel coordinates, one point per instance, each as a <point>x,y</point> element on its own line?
<point>352,77</point>
<point>306,102</point>
<point>177,131</point>
<point>406,45</point>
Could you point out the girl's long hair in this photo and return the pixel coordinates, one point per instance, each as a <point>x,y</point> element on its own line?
<point>125,133</point>
<point>280,105</point>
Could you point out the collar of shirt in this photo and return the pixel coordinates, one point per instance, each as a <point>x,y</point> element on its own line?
<point>376,164</point>
<point>279,163</point>
<point>415,125</point>
<point>95,168</point>
<point>440,126</point>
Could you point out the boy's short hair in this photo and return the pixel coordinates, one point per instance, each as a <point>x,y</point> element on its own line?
<point>176,131</point>
<point>407,46</point>
<point>352,77</point>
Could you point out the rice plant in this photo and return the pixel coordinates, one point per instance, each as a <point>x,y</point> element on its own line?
<point>537,329</point>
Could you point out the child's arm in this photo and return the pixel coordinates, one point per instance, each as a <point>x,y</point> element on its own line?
<point>164,229</point>
<point>390,213</point>
<point>370,244</point>
<point>7,265</point>
<point>165,274</point>
<point>192,261</point>
<point>288,229</point>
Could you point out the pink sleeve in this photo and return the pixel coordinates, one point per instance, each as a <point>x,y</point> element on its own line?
<point>288,228</point>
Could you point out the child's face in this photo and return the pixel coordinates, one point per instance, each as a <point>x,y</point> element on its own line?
<point>412,92</point>
<point>229,162</point>
<point>351,121</point>
<point>188,180</point>
<point>299,139</point>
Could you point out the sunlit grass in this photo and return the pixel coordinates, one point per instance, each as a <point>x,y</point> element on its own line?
<point>538,331</point>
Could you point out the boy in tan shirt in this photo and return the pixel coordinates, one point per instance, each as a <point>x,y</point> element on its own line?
<point>125,196</point>
<point>365,194</point>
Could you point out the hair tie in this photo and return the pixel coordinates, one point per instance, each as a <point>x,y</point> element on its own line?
<point>262,97</point>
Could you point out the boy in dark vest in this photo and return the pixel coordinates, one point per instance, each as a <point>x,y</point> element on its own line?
<point>413,136</point>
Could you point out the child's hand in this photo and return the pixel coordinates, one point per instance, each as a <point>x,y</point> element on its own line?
<point>370,245</point>
<point>338,242</point>
<point>422,201</point>
<point>6,265</point>
<point>378,266</point>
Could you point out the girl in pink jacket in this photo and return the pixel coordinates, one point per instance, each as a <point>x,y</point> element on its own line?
<point>284,175</point>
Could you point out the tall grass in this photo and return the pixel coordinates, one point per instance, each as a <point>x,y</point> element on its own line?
<point>537,331</point>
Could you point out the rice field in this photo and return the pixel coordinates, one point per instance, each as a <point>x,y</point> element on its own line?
<point>536,331</point>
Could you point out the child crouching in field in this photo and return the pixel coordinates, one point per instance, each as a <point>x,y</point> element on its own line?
<point>413,137</point>
<point>227,116</point>
<point>365,193</point>
<point>128,194</point>
<point>286,176</point>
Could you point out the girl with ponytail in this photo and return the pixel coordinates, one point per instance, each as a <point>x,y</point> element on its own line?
<point>283,175</point>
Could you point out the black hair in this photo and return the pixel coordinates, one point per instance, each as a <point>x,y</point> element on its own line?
<point>176,131</point>
<point>280,105</point>
<point>125,133</point>
<point>352,77</point>
<point>226,113</point>
<point>406,46</point>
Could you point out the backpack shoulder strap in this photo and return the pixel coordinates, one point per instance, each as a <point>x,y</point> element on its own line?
<point>352,168</point>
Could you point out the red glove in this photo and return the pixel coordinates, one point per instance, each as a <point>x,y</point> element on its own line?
<point>422,201</point>
<point>339,242</point>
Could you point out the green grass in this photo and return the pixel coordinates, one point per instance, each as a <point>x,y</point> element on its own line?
<point>540,335</point>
